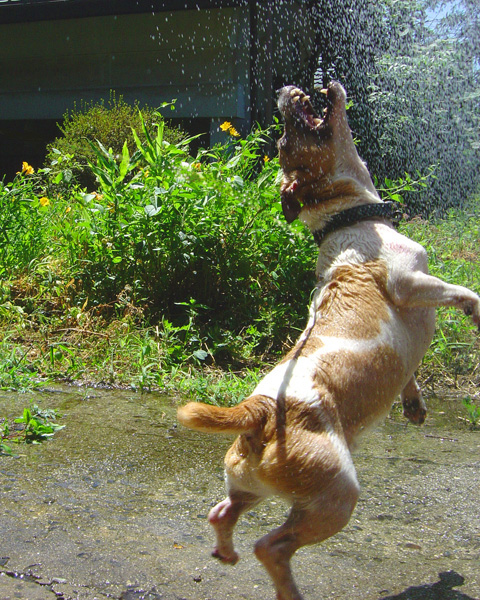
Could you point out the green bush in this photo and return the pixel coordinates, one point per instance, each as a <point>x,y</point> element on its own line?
<point>70,154</point>
<point>195,246</point>
<point>183,231</point>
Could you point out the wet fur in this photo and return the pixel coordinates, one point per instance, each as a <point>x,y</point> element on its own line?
<point>370,323</point>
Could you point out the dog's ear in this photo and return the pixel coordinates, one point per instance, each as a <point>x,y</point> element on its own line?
<point>291,207</point>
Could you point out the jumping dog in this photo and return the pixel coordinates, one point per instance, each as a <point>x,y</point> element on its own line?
<point>371,321</point>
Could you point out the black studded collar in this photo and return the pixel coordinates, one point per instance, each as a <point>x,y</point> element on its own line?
<point>351,216</point>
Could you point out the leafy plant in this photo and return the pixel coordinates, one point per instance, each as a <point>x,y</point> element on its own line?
<point>110,123</point>
<point>25,215</point>
<point>4,433</point>
<point>34,426</point>
<point>15,372</point>
<point>473,412</point>
<point>185,228</point>
<point>395,190</point>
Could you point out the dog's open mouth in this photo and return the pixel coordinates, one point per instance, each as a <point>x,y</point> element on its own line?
<point>295,106</point>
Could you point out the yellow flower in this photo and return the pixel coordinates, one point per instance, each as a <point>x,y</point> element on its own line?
<point>228,127</point>
<point>68,209</point>
<point>44,201</point>
<point>197,165</point>
<point>266,159</point>
<point>26,169</point>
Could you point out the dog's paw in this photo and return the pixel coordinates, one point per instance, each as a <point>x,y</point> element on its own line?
<point>471,308</point>
<point>414,410</point>
<point>230,560</point>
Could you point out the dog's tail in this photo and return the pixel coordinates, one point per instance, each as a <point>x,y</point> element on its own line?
<point>246,416</point>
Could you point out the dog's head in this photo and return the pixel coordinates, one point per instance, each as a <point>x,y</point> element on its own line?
<point>317,155</point>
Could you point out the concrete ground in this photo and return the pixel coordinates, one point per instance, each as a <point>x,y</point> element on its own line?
<point>115,506</point>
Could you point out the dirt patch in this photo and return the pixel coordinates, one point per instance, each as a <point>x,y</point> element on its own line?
<point>115,507</point>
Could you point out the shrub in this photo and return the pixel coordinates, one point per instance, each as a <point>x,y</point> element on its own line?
<point>195,247</point>
<point>111,124</point>
<point>188,233</point>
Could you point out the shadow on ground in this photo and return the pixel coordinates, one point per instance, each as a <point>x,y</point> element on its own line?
<point>440,590</point>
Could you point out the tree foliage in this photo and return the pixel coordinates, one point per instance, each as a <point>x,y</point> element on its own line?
<point>424,96</point>
<point>411,68</point>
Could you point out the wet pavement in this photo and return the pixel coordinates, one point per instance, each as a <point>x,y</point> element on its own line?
<point>115,505</point>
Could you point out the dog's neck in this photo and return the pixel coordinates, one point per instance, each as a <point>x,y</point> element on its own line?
<point>340,196</point>
<point>356,214</point>
<point>331,213</point>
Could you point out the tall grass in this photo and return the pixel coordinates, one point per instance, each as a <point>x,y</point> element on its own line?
<point>452,244</point>
<point>178,272</point>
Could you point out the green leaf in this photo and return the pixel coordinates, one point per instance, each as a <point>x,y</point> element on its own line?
<point>200,354</point>
<point>151,210</point>
<point>124,164</point>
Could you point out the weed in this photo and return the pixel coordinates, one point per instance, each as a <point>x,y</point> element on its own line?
<point>16,373</point>
<point>34,426</point>
<point>395,190</point>
<point>24,218</point>
<point>473,412</point>
<point>210,385</point>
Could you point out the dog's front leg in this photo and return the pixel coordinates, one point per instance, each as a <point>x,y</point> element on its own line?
<point>420,290</point>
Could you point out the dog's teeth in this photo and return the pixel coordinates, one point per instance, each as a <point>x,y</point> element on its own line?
<point>325,110</point>
<point>317,121</point>
<point>296,98</point>
<point>294,92</point>
<point>324,91</point>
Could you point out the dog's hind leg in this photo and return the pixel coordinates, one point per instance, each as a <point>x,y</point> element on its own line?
<point>223,517</point>
<point>308,523</point>
<point>414,407</point>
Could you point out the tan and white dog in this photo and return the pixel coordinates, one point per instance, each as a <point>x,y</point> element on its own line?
<point>371,321</point>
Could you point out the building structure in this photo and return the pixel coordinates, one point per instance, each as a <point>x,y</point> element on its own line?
<point>219,59</point>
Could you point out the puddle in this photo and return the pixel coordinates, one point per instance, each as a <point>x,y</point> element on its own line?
<point>115,506</point>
